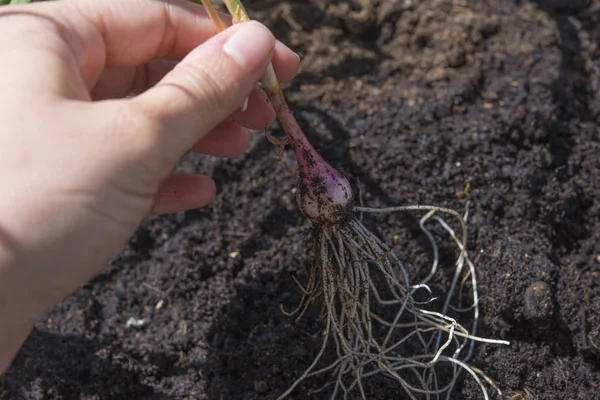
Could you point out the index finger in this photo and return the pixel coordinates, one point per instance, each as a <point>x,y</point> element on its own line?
<point>117,33</point>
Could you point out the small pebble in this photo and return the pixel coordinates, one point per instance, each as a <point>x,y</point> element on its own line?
<point>261,387</point>
<point>120,290</point>
<point>538,301</point>
<point>134,322</point>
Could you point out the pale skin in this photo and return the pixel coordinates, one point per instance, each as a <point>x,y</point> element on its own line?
<point>82,162</point>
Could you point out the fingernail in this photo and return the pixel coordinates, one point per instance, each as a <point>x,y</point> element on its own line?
<point>250,45</point>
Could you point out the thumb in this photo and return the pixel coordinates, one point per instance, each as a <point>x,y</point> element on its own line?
<point>205,88</point>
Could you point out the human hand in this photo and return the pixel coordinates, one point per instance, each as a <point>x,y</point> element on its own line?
<point>81,164</point>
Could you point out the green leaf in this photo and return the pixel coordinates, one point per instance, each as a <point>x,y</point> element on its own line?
<point>20,1</point>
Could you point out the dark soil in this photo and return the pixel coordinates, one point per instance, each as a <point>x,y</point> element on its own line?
<point>415,102</point>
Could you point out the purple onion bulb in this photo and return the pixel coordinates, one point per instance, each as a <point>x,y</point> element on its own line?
<point>324,195</point>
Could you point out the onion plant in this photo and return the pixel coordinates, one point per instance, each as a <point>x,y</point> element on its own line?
<point>378,322</point>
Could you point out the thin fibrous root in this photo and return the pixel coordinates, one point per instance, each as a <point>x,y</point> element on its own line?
<point>375,322</point>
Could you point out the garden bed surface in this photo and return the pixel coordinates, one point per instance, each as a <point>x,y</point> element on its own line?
<point>436,102</point>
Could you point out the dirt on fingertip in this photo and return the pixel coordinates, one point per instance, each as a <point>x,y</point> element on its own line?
<point>438,102</point>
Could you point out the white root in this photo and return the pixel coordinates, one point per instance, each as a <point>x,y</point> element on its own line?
<point>375,322</point>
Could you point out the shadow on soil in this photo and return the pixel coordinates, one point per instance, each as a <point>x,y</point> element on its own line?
<point>50,358</point>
